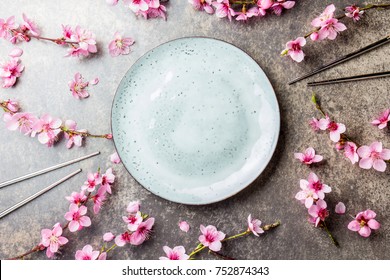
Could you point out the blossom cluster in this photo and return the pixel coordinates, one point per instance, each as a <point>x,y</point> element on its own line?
<point>46,128</point>
<point>211,238</point>
<point>12,69</point>
<point>80,41</point>
<point>326,26</point>
<point>145,8</point>
<point>241,10</point>
<point>95,189</point>
<point>372,156</point>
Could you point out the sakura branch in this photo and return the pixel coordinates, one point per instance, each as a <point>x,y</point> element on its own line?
<point>80,41</point>
<point>139,228</point>
<point>372,156</point>
<point>241,10</point>
<point>47,129</point>
<point>145,8</point>
<point>92,196</point>
<point>212,240</point>
<point>327,26</point>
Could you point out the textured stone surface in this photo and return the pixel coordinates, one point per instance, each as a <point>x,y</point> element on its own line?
<point>43,88</point>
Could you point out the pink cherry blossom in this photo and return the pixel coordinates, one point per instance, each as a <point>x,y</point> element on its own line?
<point>202,5</point>
<point>382,120</point>
<point>279,5</point>
<point>114,158</point>
<point>335,129</point>
<point>330,29</point>
<point>76,217</point>
<point>69,128</point>
<point>294,49</point>
<point>312,190</point>
<point>53,239</point>
<point>120,45</point>
<point>98,200</point>
<point>160,11</point>
<point>211,237</point>
<point>86,42</point>
<point>87,253</point>
<point>184,226</point>
<point>373,156</point>
<point>6,27</point>
<point>137,5</point>
<point>133,207</point>
<point>254,225</point>
<point>67,31</point>
<point>353,12</point>
<point>340,208</point>
<point>10,71</point>
<point>123,239</point>
<point>93,180</point>
<point>309,156</point>
<point>30,25</point>
<point>364,222</point>
<point>350,152</point>
<point>16,52</point>
<point>322,18</point>
<point>142,233</point>
<point>133,221</point>
<point>108,236</point>
<point>47,128</point>
<point>175,254</point>
<point>12,105</point>
<point>107,180</point>
<point>223,9</point>
<point>77,198</point>
<point>78,87</point>
<point>318,212</point>
<point>22,121</point>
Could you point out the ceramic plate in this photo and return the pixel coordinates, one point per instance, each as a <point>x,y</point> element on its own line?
<point>195,120</point>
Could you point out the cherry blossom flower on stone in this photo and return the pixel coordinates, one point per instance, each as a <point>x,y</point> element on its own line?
<point>340,208</point>
<point>73,138</point>
<point>77,198</point>
<point>120,45</point>
<point>133,221</point>
<point>93,180</point>
<point>330,29</point>
<point>279,5</point>
<point>373,156</point>
<point>6,27</point>
<point>312,190</point>
<point>98,200</point>
<point>87,253</point>
<point>108,236</point>
<point>223,9</point>
<point>30,25</point>
<point>142,233</point>
<point>76,217</point>
<point>184,226</point>
<point>16,52</point>
<point>86,43</point>
<point>254,225</point>
<point>324,16</point>
<point>114,158</point>
<point>107,180</point>
<point>211,237</point>
<point>350,152</point>
<point>177,253</point>
<point>78,87</point>
<point>364,222</point>
<point>10,71</point>
<point>53,239</point>
<point>308,157</point>
<point>382,120</point>
<point>22,121</point>
<point>133,207</point>
<point>123,239</point>
<point>353,12</point>
<point>47,128</point>
<point>318,212</point>
<point>335,129</point>
<point>202,5</point>
<point>294,49</point>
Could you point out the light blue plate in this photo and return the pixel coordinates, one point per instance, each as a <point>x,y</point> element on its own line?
<point>195,120</point>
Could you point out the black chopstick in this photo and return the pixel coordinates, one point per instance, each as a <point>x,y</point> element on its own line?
<point>350,79</point>
<point>343,59</point>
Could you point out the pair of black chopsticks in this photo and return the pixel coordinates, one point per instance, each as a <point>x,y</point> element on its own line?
<point>343,59</point>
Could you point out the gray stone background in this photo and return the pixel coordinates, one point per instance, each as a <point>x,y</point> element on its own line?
<point>43,88</point>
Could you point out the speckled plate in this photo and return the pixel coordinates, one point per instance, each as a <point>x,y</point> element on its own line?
<point>195,120</point>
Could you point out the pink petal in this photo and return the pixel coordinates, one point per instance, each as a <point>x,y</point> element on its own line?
<point>74,226</point>
<point>317,158</point>
<point>376,146</point>
<point>365,231</point>
<point>364,151</point>
<point>366,163</point>
<point>303,184</point>
<point>354,225</point>
<point>369,214</point>
<point>94,81</point>
<point>16,52</point>
<point>299,156</point>
<point>373,224</point>
<point>309,202</point>
<point>85,221</point>
<point>385,154</point>
<point>340,208</point>
<point>215,246</point>
<point>379,165</point>
<point>184,226</point>
<point>334,136</point>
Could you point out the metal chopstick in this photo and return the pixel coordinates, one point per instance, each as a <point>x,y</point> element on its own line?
<point>350,79</point>
<point>43,171</point>
<point>28,199</point>
<point>344,58</point>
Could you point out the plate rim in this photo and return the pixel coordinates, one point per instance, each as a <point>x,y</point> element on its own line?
<point>274,145</point>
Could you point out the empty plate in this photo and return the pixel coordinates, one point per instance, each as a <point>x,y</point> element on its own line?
<point>195,120</point>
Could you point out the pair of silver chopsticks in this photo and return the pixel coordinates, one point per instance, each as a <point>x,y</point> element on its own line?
<point>345,58</point>
<point>37,173</point>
